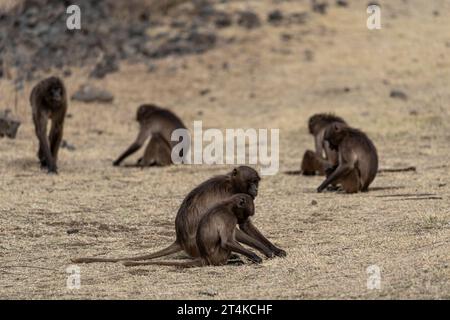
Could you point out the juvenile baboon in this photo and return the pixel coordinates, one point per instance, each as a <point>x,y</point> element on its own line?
<point>49,101</point>
<point>157,124</point>
<point>240,180</point>
<point>316,161</point>
<point>357,158</point>
<point>216,234</point>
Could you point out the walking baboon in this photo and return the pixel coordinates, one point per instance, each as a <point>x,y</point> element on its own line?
<point>49,101</point>
<point>157,124</point>
<point>316,161</point>
<point>240,180</point>
<point>216,234</point>
<point>357,158</point>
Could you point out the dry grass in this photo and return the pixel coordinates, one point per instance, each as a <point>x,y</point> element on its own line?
<point>268,85</point>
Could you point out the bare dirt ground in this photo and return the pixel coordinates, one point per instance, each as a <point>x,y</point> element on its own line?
<point>402,225</point>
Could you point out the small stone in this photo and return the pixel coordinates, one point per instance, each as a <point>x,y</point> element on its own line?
<point>209,293</point>
<point>223,20</point>
<point>151,67</point>
<point>397,94</point>
<point>319,7</point>
<point>275,17</point>
<point>249,20</point>
<point>298,17</point>
<point>88,94</point>
<point>106,66</point>
<point>8,126</point>
<point>72,231</point>
<point>68,146</point>
<point>342,3</point>
<point>314,203</point>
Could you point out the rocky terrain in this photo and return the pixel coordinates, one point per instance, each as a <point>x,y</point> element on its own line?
<point>230,64</point>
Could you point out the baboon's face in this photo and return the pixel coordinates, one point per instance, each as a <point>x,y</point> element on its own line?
<point>244,206</point>
<point>313,123</point>
<point>55,94</point>
<point>144,111</point>
<point>334,134</point>
<point>246,180</point>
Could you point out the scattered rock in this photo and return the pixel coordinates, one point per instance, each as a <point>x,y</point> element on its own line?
<point>36,38</point>
<point>72,231</point>
<point>209,293</point>
<point>88,93</point>
<point>249,20</point>
<point>397,94</point>
<point>275,17</point>
<point>104,227</point>
<point>107,65</point>
<point>298,17</point>
<point>319,7</point>
<point>151,67</point>
<point>68,146</point>
<point>8,125</point>
<point>223,20</point>
<point>98,132</point>
<point>413,112</point>
<point>204,92</point>
<point>193,42</point>
<point>314,203</point>
<point>342,3</point>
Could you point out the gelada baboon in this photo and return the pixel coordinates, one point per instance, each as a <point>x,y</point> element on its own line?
<point>316,161</point>
<point>241,180</point>
<point>215,236</point>
<point>357,158</point>
<point>49,101</point>
<point>157,124</point>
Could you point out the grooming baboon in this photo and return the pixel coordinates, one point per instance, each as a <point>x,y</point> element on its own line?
<point>241,180</point>
<point>357,158</point>
<point>49,101</point>
<point>316,161</point>
<point>158,124</point>
<point>215,236</point>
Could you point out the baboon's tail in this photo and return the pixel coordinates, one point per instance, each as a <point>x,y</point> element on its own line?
<point>173,248</point>
<point>187,264</point>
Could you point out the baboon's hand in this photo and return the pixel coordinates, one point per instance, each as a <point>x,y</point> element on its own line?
<point>279,252</point>
<point>116,163</point>
<point>256,259</point>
